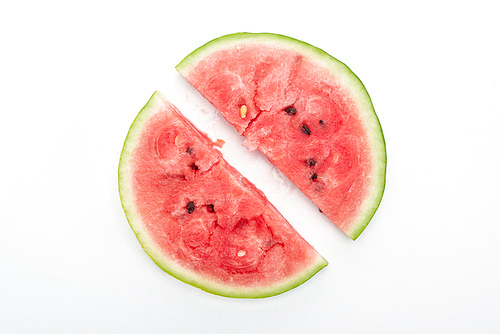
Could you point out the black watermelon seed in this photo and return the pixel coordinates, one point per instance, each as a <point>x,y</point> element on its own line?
<point>189,150</point>
<point>210,208</point>
<point>305,129</point>
<point>291,111</point>
<point>193,166</point>
<point>190,207</point>
<point>311,162</point>
<point>322,123</point>
<point>320,210</point>
<point>314,176</point>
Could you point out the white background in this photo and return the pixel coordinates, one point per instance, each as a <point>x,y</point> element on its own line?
<point>73,75</point>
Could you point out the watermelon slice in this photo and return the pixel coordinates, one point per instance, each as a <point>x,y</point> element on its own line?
<point>198,218</point>
<point>306,111</point>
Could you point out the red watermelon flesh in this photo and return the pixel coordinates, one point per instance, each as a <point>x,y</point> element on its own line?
<point>306,111</point>
<point>198,218</point>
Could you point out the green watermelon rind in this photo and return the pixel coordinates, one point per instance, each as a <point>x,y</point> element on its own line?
<point>347,78</point>
<point>154,252</point>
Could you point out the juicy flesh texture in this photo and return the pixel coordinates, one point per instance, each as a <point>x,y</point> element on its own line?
<point>204,215</point>
<point>322,148</point>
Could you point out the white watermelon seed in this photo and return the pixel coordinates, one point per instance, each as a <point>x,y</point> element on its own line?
<point>243,111</point>
<point>335,157</point>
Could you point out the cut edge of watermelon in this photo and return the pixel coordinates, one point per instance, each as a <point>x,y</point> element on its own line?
<point>154,252</point>
<point>348,78</point>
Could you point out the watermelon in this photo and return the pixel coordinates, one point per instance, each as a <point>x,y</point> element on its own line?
<point>305,111</point>
<point>198,218</point>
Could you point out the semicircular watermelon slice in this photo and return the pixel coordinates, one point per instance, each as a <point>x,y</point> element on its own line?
<point>198,218</point>
<point>306,111</point>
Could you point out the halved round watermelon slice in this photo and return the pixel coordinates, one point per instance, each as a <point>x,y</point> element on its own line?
<point>198,218</point>
<point>306,111</point>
